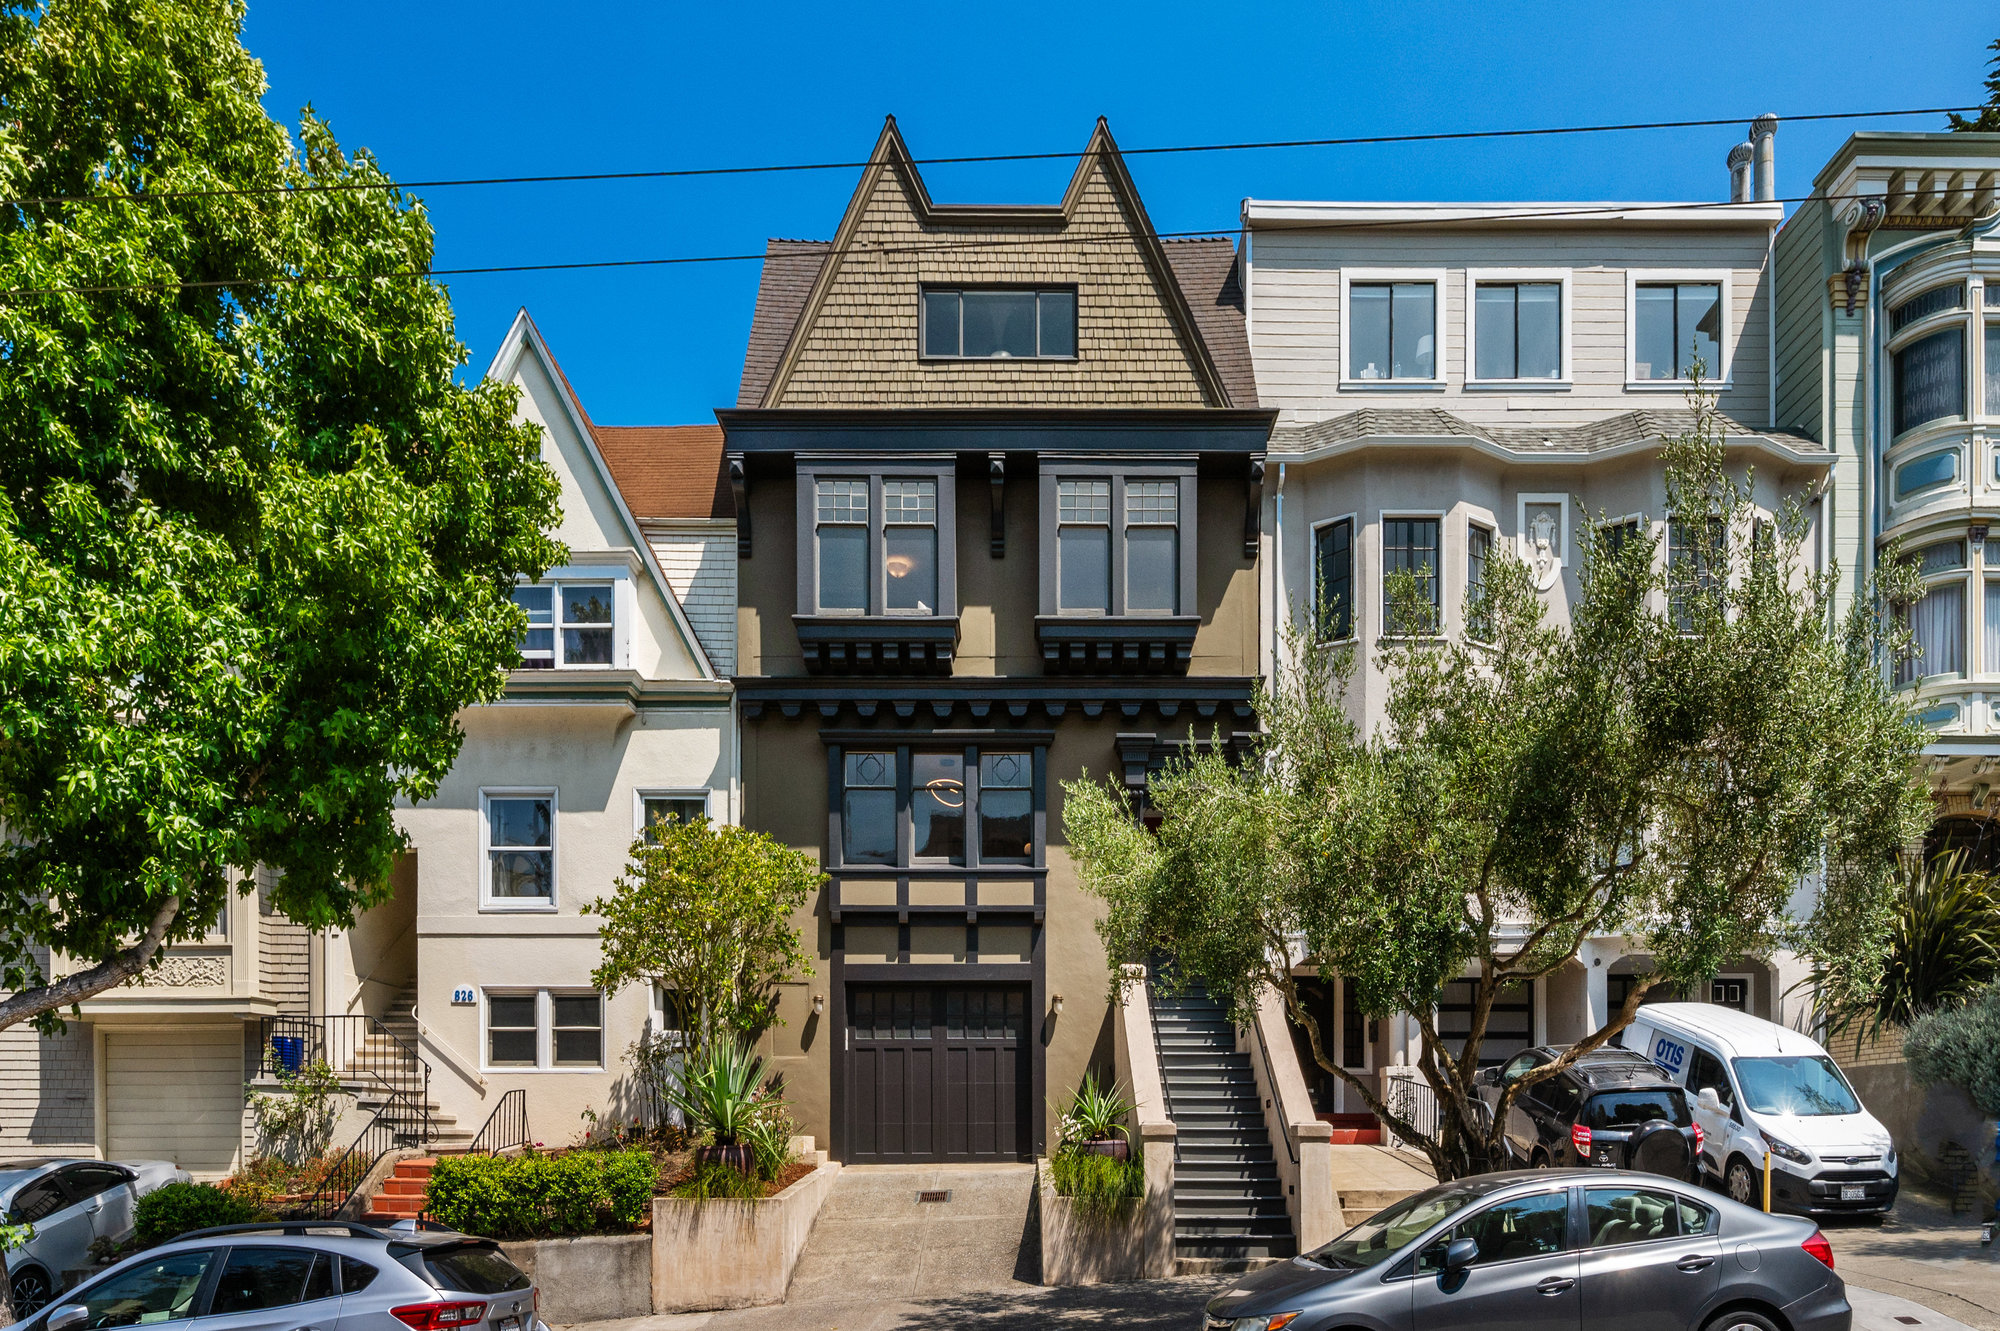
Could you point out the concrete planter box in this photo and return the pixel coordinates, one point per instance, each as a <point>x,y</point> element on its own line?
<point>591,1278</point>
<point>1080,1250</point>
<point>733,1254</point>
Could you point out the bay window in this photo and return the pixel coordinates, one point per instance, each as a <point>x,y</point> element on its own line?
<point>877,542</point>
<point>1410,546</point>
<point>1697,559</point>
<point>1117,542</point>
<point>1083,547</point>
<point>1478,554</point>
<point>1333,580</point>
<point>1927,346</point>
<point>1937,619</point>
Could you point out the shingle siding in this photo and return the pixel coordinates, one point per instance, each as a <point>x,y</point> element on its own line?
<point>283,948</point>
<point>701,568</point>
<point>861,348</point>
<point>47,1091</point>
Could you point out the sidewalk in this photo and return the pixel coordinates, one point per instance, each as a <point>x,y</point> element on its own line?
<point>1925,1254</point>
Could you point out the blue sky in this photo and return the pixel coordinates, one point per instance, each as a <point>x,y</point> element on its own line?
<point>451,88</point>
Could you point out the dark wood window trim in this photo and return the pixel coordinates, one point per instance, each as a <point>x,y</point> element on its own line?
<point>1038,289</point>
<point>1119,641</point>
<point>969,743</point>
<point>877,640</point>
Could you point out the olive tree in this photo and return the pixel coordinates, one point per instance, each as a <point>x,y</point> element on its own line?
<point>1698,738</point>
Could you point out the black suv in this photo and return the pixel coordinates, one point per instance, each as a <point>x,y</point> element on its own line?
<point>1611,1108</point>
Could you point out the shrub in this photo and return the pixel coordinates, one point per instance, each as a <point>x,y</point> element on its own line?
<point>1095,1113</point>
<point>1098,1186</point>
<point>296,1123</point>
<point>769,1137</point>
<point>1960,1046</point>
<point>718,1180</point>
<point>173,1210</point>
<point>539,1196</point>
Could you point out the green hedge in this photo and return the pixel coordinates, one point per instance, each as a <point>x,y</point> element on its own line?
<point>539,1196</point>
<point>176,1208</point>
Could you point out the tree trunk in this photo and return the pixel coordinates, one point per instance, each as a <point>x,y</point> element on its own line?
<point>113,970</point>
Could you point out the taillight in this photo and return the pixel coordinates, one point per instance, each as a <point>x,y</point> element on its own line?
<point>1579,1137</point>
<point>1817,1245</point>
<point>431,1316</point>
<point>1699,1138</point>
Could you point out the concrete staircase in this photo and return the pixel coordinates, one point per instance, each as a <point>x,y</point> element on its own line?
<point>1228,1202</point>
<point>386,1063</point>
<point>402,1194</point>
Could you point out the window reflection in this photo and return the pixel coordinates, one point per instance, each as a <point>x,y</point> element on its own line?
<point>937,806</point>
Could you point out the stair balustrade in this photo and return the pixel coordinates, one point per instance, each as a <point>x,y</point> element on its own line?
<point>506,1127</point>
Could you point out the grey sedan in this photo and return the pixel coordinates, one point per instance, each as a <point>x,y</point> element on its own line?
<point>1553,1250</point>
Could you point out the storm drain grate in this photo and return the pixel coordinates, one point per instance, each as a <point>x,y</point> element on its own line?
<point>935,1195</point>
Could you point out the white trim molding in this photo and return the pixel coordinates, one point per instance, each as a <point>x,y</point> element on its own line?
<point>517,905</point>
<point>1719,379</point>
<point>1566,371</point>
<point>1440,325</point>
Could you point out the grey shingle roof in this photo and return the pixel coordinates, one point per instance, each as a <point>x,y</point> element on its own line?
<point>1631,427</point>
<point>1212,282</point>
<point>790,269</point>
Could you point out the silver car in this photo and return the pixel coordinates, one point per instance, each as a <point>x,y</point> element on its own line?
<point>71,1203</point>
<point>1536,1250</point>
<point>306,1276</point>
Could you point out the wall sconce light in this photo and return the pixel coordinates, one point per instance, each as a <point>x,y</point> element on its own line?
<point>819,1004</point>
<point>1055,1005</point>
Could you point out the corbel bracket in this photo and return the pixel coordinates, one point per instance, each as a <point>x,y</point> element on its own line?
<point>996,476</point>
<point>1253,506</point>
<point>739,489</point>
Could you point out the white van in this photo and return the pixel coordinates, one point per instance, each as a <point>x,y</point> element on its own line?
<point>1758,1087</point>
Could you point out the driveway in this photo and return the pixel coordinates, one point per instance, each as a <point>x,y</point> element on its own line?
<point>1926,1254</point>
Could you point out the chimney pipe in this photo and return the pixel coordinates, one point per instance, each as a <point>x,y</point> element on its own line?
<point>1764,134</point>
<point>1739,172</point>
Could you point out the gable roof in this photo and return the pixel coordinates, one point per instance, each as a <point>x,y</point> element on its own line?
<point>668,471</point>
<point>524,339</point>
<point>1203,302</point>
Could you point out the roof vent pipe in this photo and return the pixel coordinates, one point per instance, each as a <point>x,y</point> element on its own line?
<point>1739,172</point>
<point>1764,134</point>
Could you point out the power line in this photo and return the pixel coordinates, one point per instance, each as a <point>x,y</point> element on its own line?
<point>688,172</point>
<point>1032,242</point>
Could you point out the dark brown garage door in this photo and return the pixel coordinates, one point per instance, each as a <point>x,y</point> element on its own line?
<point>936,1073</point>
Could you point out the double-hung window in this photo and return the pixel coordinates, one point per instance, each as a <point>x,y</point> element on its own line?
<point>1392,330</point>
<point>876,543</point>
<point>999,323</point>
<point>1937,619</point>
<point>938,804</point>
<point>1410,547</point>
<point>1927,337</point>
<point>1478,555</point>
<point>1333,580</point>
<point>657,811</point>
<point>1517,330</point>
<point>1675,324</point>
<point>570,624</point>
<point>1120,543</point>
<point>520,850</point>
<point>545,1029</point>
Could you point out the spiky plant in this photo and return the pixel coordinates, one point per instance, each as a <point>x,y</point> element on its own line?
<point>721,1091</point>
<point>1943,947</point>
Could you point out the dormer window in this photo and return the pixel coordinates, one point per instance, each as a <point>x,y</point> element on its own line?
<point>570,624</point>
<point>1006,323</point>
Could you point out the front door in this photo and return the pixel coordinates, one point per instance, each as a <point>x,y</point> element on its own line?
<point>936,1073</point>
<point>1524,1278</point>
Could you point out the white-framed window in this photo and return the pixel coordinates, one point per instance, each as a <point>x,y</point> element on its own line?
<point>1673,316</point>
<point>517,849</point>
<point>1929,352</point>
<point>1333,605</point>
<point>1517,327</point>
<point>572,623</point>
<point>1697,566</point>
<point>1413,544</point>
<point>650,807</point>
<point>1937,619</point>
<point>543,1030</point>
<point>1392,328</point>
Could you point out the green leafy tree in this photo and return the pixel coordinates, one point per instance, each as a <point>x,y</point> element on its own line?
<point>256,543</point>
<point>1700,736</point>
<point>1988,119</point>
<point>704,911</point>
<point>1943,947</point>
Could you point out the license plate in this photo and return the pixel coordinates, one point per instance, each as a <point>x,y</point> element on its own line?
<point>507,1324</point>
<point>1853,1192</point>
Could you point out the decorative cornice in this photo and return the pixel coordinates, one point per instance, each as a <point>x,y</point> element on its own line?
<point>999,700</point>
<point>1116,644</point>
<point>877,644</point>
<point>614,688</point>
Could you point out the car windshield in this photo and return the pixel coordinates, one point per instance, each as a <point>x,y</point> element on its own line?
<point>1387,1232</point>
<point>1804,1084</point>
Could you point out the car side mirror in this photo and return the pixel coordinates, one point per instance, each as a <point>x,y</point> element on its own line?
<point>1460,1254</point>
<point>1706,1098</point>
<point>68,1316</point>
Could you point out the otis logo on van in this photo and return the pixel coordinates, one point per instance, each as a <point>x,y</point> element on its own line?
<point>1670,1055</point>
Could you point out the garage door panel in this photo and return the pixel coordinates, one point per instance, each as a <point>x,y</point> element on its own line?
<point>175,1095</point>
<point>936,1073</point>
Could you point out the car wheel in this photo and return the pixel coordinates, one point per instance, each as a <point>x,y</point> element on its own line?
<point>1741,1183</point>
<point>32,1291</point>
<point>1740,1319</point>
<point>1540,1160</point>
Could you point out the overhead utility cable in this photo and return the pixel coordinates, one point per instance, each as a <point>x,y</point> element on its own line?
<point>687,172</point>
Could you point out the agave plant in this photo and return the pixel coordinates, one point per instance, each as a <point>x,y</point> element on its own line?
<point>1944,946</point>
<point>721,1091</point>
<point>1096,1112</point>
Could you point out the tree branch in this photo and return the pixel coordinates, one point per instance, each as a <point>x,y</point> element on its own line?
<point>113,970</point>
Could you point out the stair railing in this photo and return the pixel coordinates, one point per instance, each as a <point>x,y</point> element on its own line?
<point>359,1048</point>
<point>384,1132</point>
<point>505,1127</point>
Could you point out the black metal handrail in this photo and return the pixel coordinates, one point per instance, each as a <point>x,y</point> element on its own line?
<point>506,1126</point>
<point>1271,1075</point>
<point>389,1128</point>
<point>359,1048</point>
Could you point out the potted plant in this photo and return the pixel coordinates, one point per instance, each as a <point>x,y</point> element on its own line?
<point>1095,1120</point>
<point>720,1094</point>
